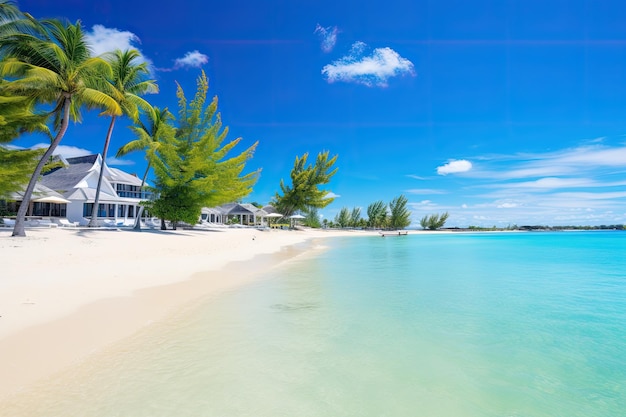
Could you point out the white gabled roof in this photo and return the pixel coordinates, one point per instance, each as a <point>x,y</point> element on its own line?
<point>121,177</point>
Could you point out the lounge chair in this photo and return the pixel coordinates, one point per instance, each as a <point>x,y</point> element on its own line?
<point>67,223</point>
<point>46,223</point>
<point>8,222</point>
<point>109,223</point>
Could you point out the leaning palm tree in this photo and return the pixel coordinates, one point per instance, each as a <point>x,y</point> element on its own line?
<point>128,82</point>
<point>148,139</point>
<point>13,21</point>
<point>54,70</point>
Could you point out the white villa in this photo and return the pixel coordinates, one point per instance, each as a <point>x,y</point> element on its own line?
<point>69,191</point>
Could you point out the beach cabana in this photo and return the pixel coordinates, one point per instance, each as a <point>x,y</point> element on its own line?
<point>211,215</point>
<point>294,218</point>
<point>242,213</point>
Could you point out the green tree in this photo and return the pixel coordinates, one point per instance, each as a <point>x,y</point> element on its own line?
<point>377,214</point>
<point>56,70</point>
<point>312,219</point>
<point>400,216</point>
<point>434,221</point>
<point>16,165</point>
<point>355,217</point>
<point>148,138</point>
<point>305,192</point>
<point>128,82</point>
<point>15,22</point>
<point>192,169</point>
<point>342,219</point>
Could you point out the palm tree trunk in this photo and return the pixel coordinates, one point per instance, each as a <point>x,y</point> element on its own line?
<point>94,213</point>
<point>137,226</point>
<point>18,229</point>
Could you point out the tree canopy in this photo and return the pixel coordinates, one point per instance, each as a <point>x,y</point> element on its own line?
<point>191,165</point>
<point>305,193</point>
<point>434,221</point>
<point>400,216</point>
<point>53,68</point>
<point>377,214</point>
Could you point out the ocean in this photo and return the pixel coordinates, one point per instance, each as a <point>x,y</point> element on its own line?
<point>439,325</point>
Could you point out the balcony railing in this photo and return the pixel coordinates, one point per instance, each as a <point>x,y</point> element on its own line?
<point>145,195</point>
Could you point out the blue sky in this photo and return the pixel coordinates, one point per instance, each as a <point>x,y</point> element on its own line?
<point>500,112</point>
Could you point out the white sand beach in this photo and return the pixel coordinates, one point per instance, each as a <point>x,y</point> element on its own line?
<point>66,294</point>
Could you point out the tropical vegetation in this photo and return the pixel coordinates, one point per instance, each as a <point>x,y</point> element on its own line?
<point>305,192</point>
<point>129,80</point>
<point>191,166</point>
<point>149,136</point>
<point>50,67</point>
<point>434,221</point>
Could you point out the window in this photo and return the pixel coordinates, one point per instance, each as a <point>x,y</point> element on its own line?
<point>87,209</point>
<point>49,209</point>
<point>130,191</point>
<point>104,210</point>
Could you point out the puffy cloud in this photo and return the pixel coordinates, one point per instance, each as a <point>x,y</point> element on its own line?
<point>330,194</point>
<point>64,150</point>
<point>102,39</point>
<point>455,167</point>
<point>369,70</point>
<point>193,59</point>
<point>328,37</point>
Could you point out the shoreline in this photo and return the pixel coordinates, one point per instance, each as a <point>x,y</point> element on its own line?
<point>67,295</point>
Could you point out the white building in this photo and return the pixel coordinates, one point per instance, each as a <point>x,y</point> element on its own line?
<point>77,180</point>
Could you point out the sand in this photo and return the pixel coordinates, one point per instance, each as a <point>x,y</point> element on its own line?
<point>66,294</point>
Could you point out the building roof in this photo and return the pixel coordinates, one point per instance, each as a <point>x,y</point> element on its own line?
<point>63,179</point>
<point>39,191</point>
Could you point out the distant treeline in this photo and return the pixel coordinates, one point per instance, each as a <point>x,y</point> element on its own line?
<point>515,227</point>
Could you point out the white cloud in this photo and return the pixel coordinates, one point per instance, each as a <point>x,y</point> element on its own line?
<point>424,203</point>
<point>454,167</point>
<point>64,150</point>
<point>425,191</point>
<point>102,39</point>
<point>328,37</point>
<point>464,206</point>
<point>193,59</point>
<point>567,162</point>
<point>370,70</point>
<point>330,194</point>
<point>507,205</point>
<point>112,161</point>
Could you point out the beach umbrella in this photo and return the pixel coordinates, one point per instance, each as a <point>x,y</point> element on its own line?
<point>273,215</point>
<point>296,217</point>
<point>53,199</point>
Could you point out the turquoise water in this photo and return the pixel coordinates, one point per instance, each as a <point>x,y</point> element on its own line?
<point>520,324</point>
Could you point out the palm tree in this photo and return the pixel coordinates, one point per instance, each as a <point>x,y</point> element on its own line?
<point>56,69</point>
<point>128,82</point>
<point>148,140</point>
<point>13,21</point>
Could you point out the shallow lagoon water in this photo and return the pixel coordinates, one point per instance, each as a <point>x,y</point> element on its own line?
<point>490,324</point>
